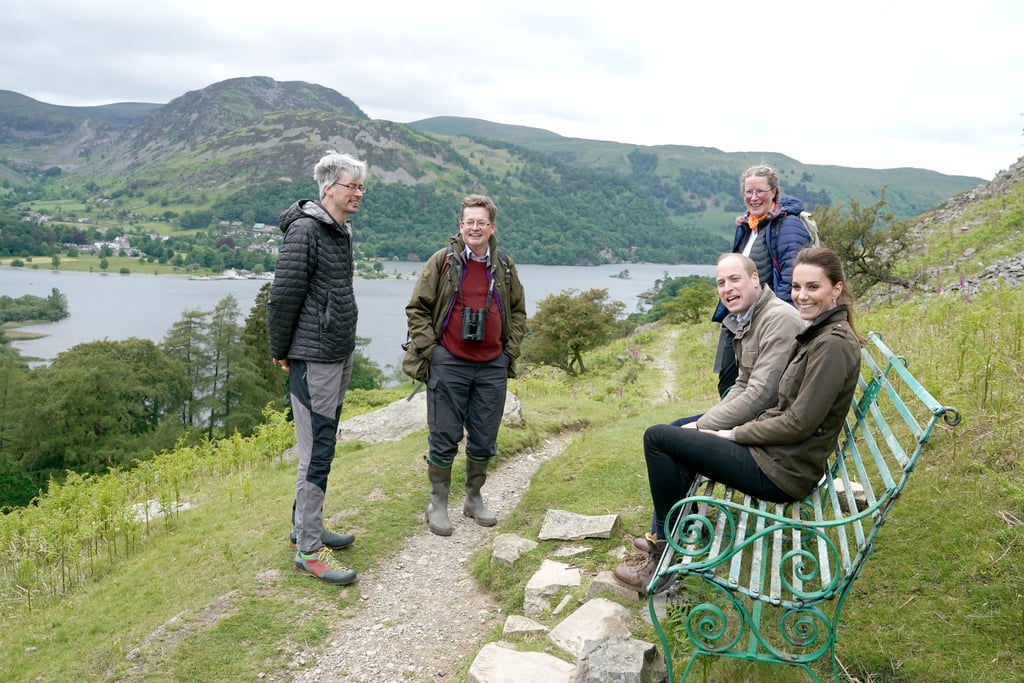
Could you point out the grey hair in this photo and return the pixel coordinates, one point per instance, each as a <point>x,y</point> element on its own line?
<point>762,171</point>
<point>330,167</point>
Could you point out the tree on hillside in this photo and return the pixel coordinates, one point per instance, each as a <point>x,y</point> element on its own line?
<point>365,373</point>
<point>187,343</point>
<point>12,383</point>
<point>223,336</point>
<point>679,299</point>
<point>16,488</point>
<point>273,384</point>
<point>869,243</point>
<point>568,324</point>
<point>693,303</point>
<point>98,405</point>
<point>238,391</point>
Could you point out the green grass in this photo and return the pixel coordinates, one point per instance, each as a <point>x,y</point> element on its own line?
<point>212,597</point>
<point>89,263</point>
<point>943,597</point>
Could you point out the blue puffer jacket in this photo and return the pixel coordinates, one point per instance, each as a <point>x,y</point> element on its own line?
<point>311,312</point>
<point>785,237</point>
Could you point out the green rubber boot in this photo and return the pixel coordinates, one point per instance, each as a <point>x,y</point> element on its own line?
<point>476,475</point>
<point>437,511</point>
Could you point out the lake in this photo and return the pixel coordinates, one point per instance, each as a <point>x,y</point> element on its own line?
<point>113,306</point>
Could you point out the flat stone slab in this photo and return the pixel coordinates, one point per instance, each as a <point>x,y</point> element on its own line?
<point>571,550</point>
<point>594,620</point>
<point>498,663</point>
<point>620,659</point>
<point>506,549</point>
<point>605,584</point>
<point>569,526</point>
<point>516,625</point>
<point>549,580</point>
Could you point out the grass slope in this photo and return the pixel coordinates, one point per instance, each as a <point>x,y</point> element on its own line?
<point>212,597</point>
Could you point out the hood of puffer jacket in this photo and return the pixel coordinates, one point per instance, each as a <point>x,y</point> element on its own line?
<point>304,208</point>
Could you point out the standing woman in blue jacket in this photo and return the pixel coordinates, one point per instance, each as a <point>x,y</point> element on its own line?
<point>770,233</point>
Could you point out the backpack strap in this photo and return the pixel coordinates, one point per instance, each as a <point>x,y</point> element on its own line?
<point>503,259</point>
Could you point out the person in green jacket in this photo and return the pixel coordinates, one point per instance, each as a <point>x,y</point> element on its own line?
<point>781,454</point>
<point>466,317</point>
<point>763,330</point>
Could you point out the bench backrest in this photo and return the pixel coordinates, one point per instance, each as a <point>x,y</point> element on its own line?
<point>802,553</point>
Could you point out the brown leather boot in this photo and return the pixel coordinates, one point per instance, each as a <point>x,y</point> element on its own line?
<point>638,576</point>
<point>648,543</point>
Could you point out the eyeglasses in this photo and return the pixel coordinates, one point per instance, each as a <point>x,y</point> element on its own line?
<point>351,186</point>
<point>759,193</point>
<point>476,224</point>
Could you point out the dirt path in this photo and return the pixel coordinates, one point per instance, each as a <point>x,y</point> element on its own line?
<point>423,613</point>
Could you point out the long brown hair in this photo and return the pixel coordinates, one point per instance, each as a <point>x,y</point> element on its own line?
<point>829,262</point>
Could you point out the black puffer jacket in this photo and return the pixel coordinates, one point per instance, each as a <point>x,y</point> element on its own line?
<point>312,311</point>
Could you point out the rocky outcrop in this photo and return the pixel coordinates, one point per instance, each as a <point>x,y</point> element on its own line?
<point>595,635</point>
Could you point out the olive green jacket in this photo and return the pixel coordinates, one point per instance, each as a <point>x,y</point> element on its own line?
<point>435,293</point>
<point>792,441</point>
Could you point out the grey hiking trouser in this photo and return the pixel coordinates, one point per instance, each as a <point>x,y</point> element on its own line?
<point>317,392</point>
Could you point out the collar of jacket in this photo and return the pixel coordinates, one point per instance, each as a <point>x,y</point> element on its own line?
<point>835,315</point>
<point>768,217</point>
<point>459,249</point>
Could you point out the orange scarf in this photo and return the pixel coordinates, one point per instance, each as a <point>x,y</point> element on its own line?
<point>755,221</point>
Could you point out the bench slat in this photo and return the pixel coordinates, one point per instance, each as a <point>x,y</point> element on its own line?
<point>736,566</point>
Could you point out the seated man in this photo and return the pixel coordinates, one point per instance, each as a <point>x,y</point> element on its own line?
<point>764,329</point>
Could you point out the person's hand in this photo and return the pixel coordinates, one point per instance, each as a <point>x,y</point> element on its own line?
<point>283,362</point>
<point>729,434</point>
<point>689,425</point>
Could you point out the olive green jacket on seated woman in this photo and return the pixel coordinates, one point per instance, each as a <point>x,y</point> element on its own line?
<point>435,293</point>
<point>792,441</point>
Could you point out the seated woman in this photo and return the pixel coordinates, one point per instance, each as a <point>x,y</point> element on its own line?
<point>780,455</point>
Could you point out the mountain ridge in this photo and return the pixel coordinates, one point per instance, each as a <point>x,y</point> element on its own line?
<point>245,146</point>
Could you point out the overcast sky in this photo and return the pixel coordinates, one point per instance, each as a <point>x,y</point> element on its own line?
<point>875,84</point>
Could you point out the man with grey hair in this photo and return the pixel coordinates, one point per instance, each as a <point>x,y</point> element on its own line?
<point>311,315</point>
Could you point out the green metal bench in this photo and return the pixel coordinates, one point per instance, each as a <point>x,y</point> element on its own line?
<point>777,575</point>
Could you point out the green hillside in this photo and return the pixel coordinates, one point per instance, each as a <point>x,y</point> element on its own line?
<point>697,185</point>
<point>90,589</point>
<point>242,149</point>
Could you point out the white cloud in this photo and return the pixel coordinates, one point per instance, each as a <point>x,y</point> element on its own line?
<point>874,84</point>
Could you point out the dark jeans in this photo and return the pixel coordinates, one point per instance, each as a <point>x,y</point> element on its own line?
<point>464,395</point>
<point>676,456</point>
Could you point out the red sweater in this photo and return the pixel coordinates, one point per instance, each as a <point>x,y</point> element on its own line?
<point>473,294</point>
